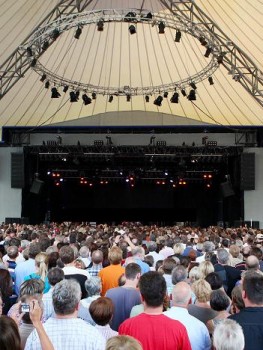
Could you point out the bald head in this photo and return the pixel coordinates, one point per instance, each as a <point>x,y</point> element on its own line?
<point>181,294</point>
<point>97,256</point>
<point>252,262</point>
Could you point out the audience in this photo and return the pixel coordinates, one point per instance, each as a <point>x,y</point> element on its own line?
<point>228,335</point>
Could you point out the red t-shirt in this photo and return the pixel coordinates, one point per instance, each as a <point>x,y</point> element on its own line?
<point>156,332</point>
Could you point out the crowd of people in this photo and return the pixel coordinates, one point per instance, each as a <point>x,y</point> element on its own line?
<point>130,286</point>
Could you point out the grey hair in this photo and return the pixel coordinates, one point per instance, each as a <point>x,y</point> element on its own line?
<point>51,249</point>
<point>84,252</point>
<point>208,247</point>
<point>228,335</point>
<point>194,274</point>
<point>137,250</point>
<point>179,274</point>
<point>66,296</point>
<point>24,243</point>
<point>152,246</point>
<point>93,286</point>
<point>223,256</point>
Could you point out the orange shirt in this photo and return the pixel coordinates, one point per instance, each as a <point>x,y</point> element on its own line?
<point>109,277</point>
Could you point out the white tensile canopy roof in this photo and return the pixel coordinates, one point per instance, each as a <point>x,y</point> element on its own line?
<point>114,57</point>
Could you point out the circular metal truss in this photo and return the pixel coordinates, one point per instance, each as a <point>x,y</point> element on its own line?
<point>41,39</point>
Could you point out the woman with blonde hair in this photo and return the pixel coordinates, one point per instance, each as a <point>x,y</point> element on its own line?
<point>41,262</point>
<point>123,342</point>
<point>205,268</point>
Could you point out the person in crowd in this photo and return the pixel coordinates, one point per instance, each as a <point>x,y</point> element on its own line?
<point>9,335</point>
<point>54,276</point>
<point>96,263</point>
<point>14,242</point>
<point>228,335</point>
<point>138,254</point>
<point>252,263</point>
<point>205,268</point>
<point>235,256</point>
<point>109,275</point>
<point>66,331</point>
<point>237,300</point>
<point>123,342</point>
<point>101,311</point>
<point>201,309</point>
<point>93,287</point>
<point>41,261</point>
<point>208,248</point>
<point>27,267</point>
<point>126,296</point>
<point>178,249</point>
<point>214,280</point>
<point>197,331</point>
<point>152,249</point>
<point>67,257</point>
<point>168,265</point>
<point>179,274</point>
<point>229,274</point>
<point>153,329</point>
<point>84,255</point>
<point>194,275</point>
<point>219,302</point>
<point>167,250</point>
<point>251,317</point>
<point>256,251</point>
<point>6,289</point>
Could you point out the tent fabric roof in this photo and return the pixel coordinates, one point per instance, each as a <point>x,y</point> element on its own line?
<point>116,58</point>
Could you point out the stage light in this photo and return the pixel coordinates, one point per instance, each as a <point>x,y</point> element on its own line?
<point>211,81</point>
<point>94,95</point>
<point>161,27</point>
<point>55,34</point>
<point>43,78</point>
<point>178,36</point>
<point>193,85</point>
<point>29,52</point>
<point>183,92</point>
<point>73,96</point>
<point>202,41</point>
<point>78,33</point>
<point>130,17</point>
<point>220,59</point>
<point>47,84</point>
<point>147,99</point>
<point>158,101</point>
<point>128,98</point>
<point>48,172</point>
<point>45,45</point>
<point>61,179</point>
<point>55,93</point>
<point>33,62</point>
<point>175,98</point>
<point>149,15</point>
<point>165,95</point>
<point>65,89</point>
<point>192,95</point>
<point>86,99</point>
<point>132,29</point>
<point>100,26</point>
<point>208,51</point>
<point>111,98</point>
<point>127,180</point>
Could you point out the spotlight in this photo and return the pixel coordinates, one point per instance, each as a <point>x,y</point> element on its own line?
<point>128,98</point>
<point>192,95</point>
<point>100,25</point>
<point>94,95</point>
<point>43,78</point>
<point>47,84</point>
<point>202,41</point>
<point>193,85</point>
<point>165,95</point>
<point>175,98</point>
<point>147,98</point>
<point>130,17</point>
<point>178,36</point>
<point>211,81</point>
<point>208,51</point>
<point>220,59</point>
<point>33,62</point>
<point>158,101</point>
<point>110,98</point>
<point>149,15</point>
<point>65,89</point>
<point>132,29</point>
<point>55,93</point>
<point>86,99</point>
<point>45,45</point>
<point>78,33</point>
<point>29,52</point>
<point>161,27</point>
<point>73,96</point>
<point>183,92</point>
<point>55,34</point>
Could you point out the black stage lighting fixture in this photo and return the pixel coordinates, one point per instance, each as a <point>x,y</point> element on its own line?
<point>192,95</point>
<point>128,98</point>
<point>130,17</point>
<point>94,95</point>
<point>211,81</point>
<point>55,34</point>
<point>165,95</point>
<point>110,98</point>
<point>77,94</point>
<point>193,85</point>
<point>45,45</point>
<point>208,51</point>
<point>55,93</point>
<point>220,59</point>
<point>47,85</point>
<point>43,78</point>
<point>86,99</point>
<point>178,36</point>
<point>78,33</point>
<point>33,62</point>
<point>100,26</point>
<point>149,15</point>
<point>132,29</point>
<point>183,92</point>
<point>158,101</point>
<point>202,41</point>
<point>29,52</point>
<point>73,96</point>
<point>147,98</point>
<point>175,98</point>
<point>65,89</point>
<point>161,27</point>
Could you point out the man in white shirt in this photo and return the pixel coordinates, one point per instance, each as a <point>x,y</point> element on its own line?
<point>65,330</point>
<point>197,331</point>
